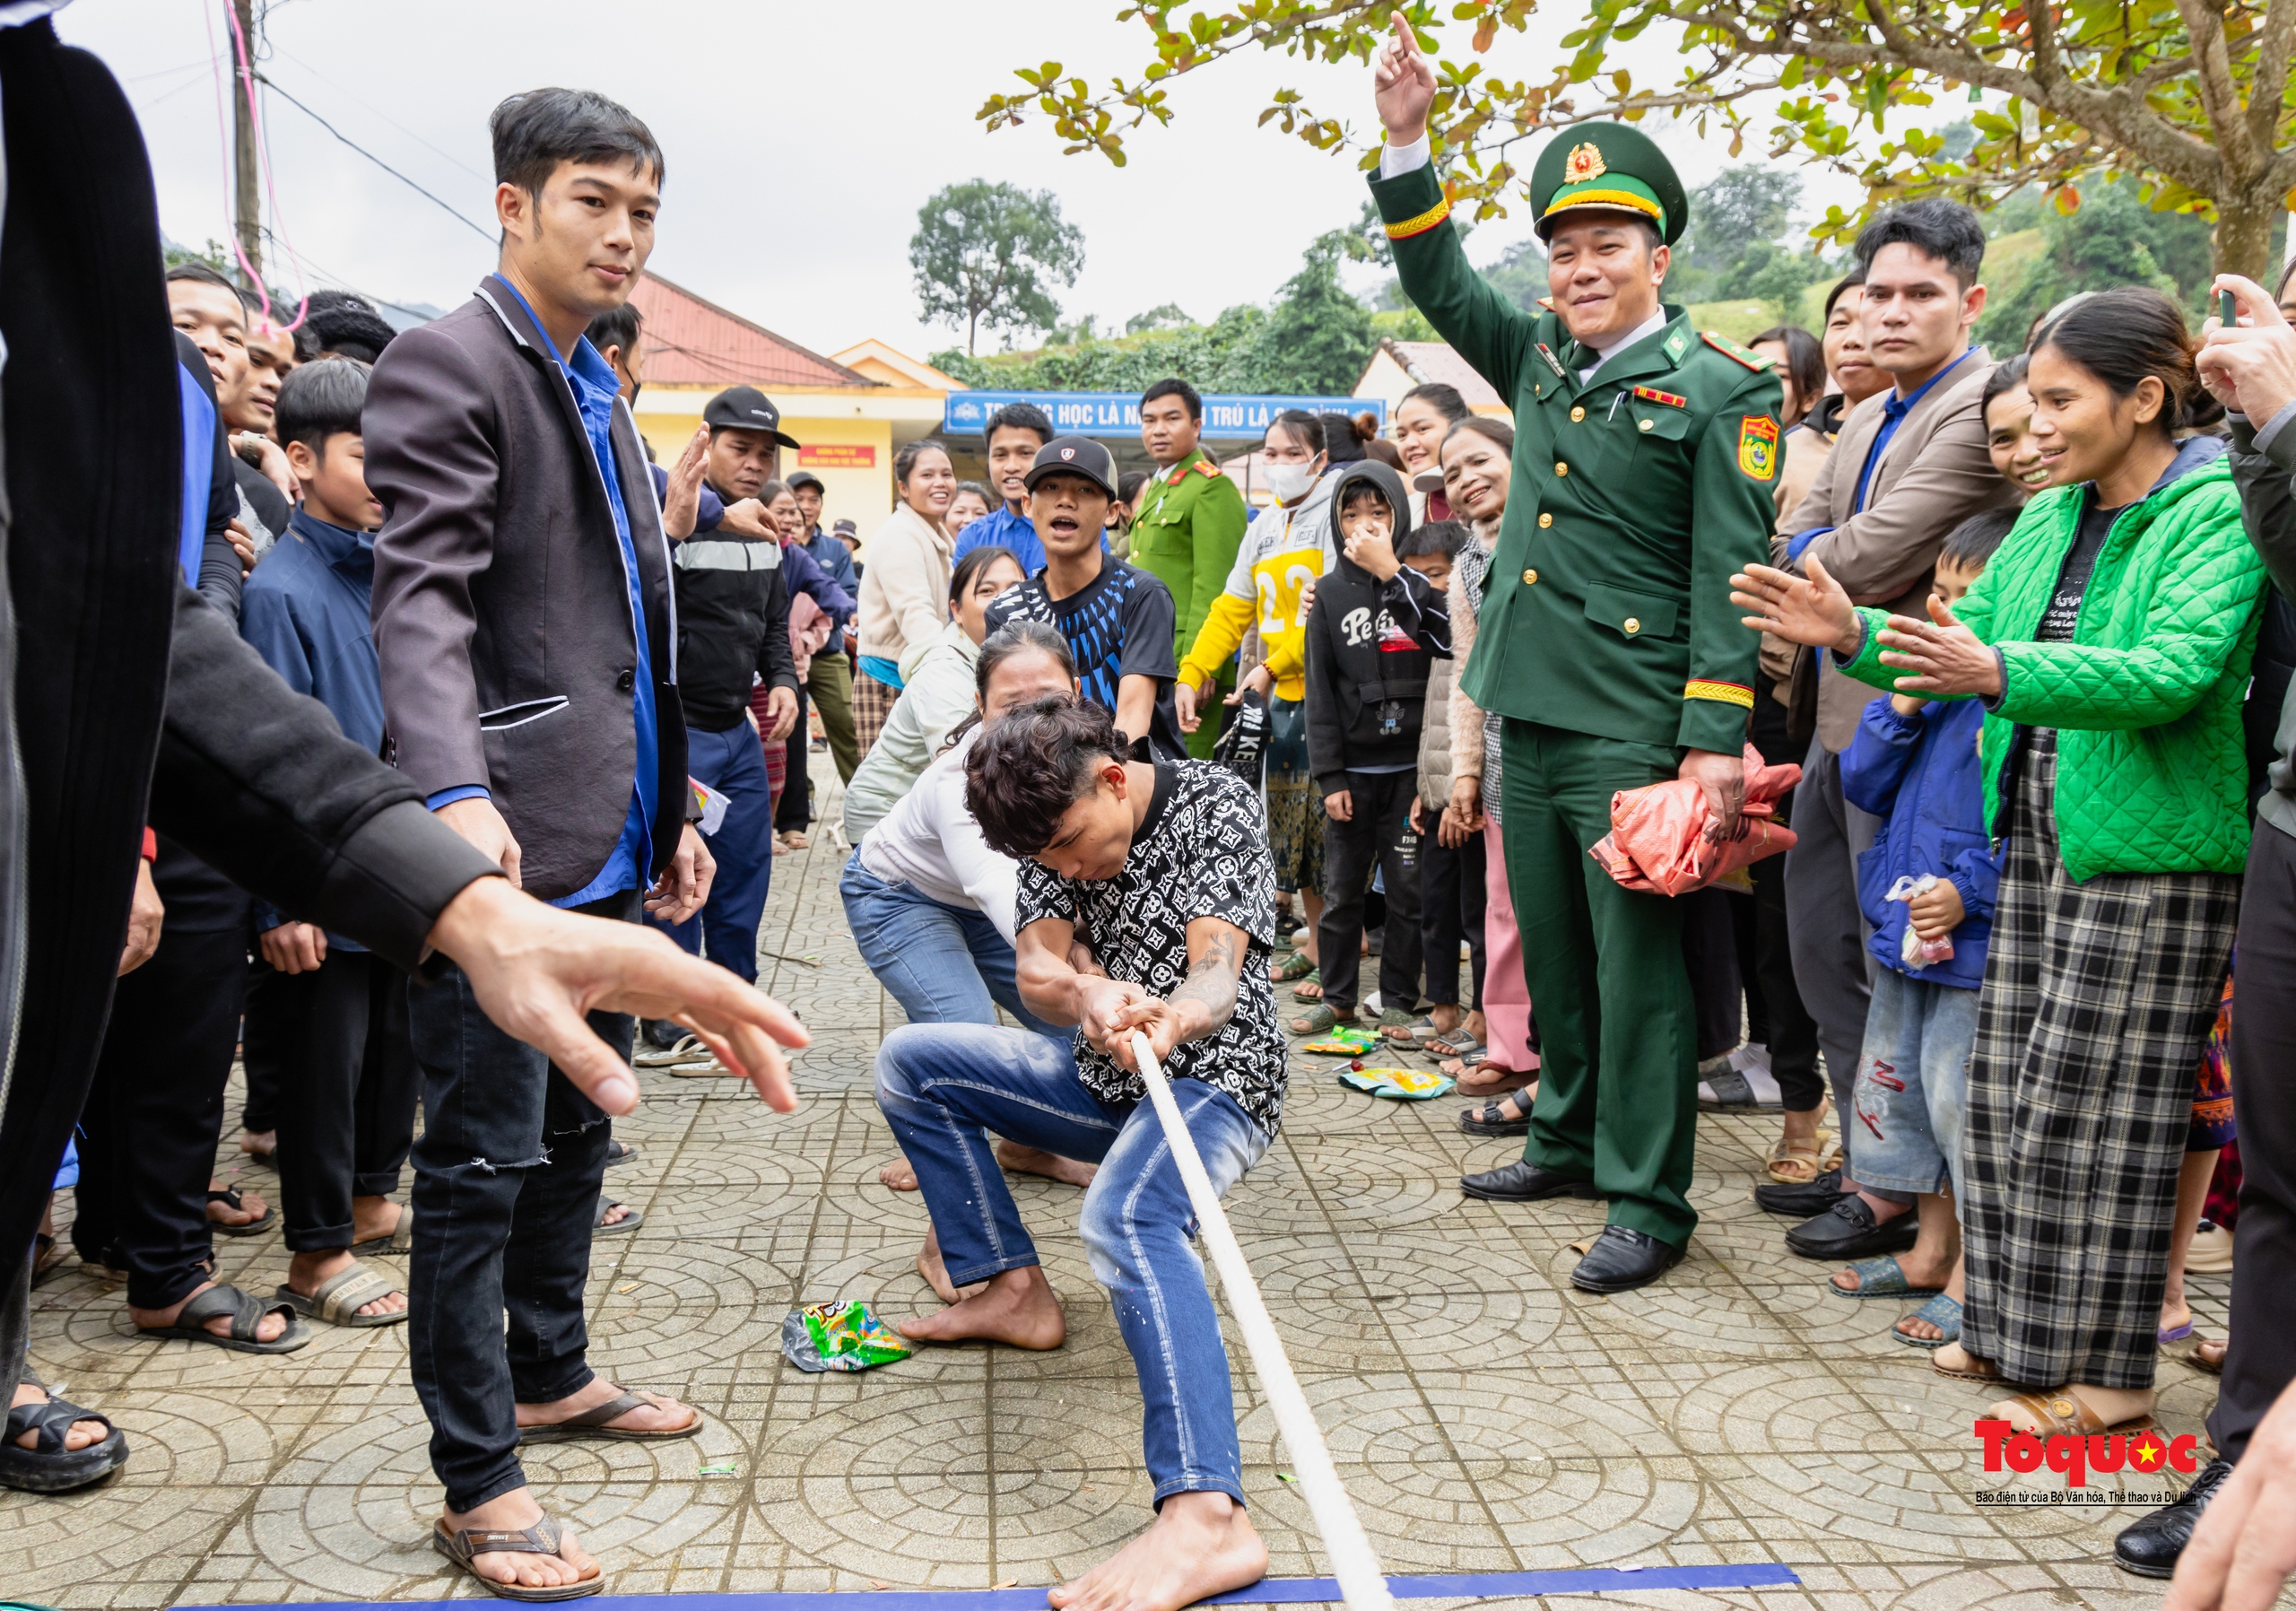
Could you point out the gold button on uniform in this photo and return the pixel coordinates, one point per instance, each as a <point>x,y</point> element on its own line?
<point>1546,520</point>
<point>1530,579</point>
<point>1648,423</point>
<point>1632,626</point>
<point>1578,414</point>
<point>1560,468</point>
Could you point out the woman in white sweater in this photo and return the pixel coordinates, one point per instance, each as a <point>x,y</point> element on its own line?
<point>938,696</point>
<point>900,609</point>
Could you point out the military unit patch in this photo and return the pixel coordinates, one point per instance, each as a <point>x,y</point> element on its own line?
<point>1651,394</point>
<point>1758,445</point>
<point>1731,349</point>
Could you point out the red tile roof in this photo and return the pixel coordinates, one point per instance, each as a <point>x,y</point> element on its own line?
<point>1423,360</point>
<point>690,341</point>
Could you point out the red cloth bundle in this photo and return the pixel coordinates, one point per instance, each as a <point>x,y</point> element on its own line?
<point>1658,838</point>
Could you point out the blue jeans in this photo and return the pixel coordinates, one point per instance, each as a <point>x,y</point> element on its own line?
<point>1913,1082</point>
<point>942,1086</point>
<point>732,764</point>
<point>506,1191</point>
<point>943,963</point>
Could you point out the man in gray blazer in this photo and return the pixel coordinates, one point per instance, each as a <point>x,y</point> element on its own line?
<point>1911,465</point>
<point>527,638</point>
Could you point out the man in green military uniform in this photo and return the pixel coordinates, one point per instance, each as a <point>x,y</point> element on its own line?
<point>1644,460</point>
<point>1188,524</point>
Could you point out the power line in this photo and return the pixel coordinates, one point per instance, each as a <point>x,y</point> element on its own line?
<point>449,207</point>
<point>279,49</point>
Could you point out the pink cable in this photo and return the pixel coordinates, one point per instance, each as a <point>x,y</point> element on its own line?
<point>255,127</point>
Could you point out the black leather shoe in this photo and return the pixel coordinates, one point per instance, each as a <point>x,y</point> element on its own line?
<point>2150,1545</point>
<point>1521,1183</point>
<point>1621,1260</point>
<point>1801,1201</point>
<point>1848,1230</point>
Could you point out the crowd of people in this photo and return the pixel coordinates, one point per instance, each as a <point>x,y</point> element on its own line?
<point>1124,753</point>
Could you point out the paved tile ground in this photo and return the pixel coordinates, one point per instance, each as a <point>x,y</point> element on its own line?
<point>1485,1416</point>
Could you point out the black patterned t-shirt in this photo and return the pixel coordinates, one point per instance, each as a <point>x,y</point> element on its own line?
<point>1119,624</point>
<point>1200,852</point>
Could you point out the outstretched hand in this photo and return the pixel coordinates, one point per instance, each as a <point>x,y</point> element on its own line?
<point>682,498</point>
<point>1812,610</point>
<point>537,971</point>
<point>1944,655</point>
<point>1402,85</point>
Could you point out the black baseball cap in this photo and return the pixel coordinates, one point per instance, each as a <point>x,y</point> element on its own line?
<point>1076,456</point>
<point>746,408</point>
<point>838,528</point>
<point>804,478</point>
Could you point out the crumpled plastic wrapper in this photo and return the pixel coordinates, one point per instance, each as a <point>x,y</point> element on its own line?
<point>1397,1084</point>
<point>1914,950</point>
<point>1658,839</point>
<point>839,1337</point>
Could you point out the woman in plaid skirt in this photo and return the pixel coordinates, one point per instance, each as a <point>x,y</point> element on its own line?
<point>2109,642</point>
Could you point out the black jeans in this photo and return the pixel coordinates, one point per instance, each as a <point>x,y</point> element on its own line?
<point>347,1118</point>
<point>156,1112</point>
<point>2263,1356</point>
<point>1711,954</point>
<point>1378,833</point>
<point>506,1191</point>
<point>1792,1034</point>
<point>267,1043</point>
<point>1452,898</point>
<point>793,812</point>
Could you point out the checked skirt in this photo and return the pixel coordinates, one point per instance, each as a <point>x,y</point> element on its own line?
<point>2098,1000</point>
<point>872,701</point>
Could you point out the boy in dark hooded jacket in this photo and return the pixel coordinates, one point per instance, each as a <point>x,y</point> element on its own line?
<point>1375,628</point>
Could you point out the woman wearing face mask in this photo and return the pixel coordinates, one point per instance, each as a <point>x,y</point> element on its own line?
<point>903,589</point>
<point>1477,459</point>
<point>2109,640</point>
<point>1423,418</point>
<point>1270,586</point>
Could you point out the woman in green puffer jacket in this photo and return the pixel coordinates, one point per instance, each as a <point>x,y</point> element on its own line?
<point>2110,640</point>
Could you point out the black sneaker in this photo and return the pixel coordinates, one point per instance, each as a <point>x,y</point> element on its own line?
<point>2149,1546</point>
<point>1801,1202</point>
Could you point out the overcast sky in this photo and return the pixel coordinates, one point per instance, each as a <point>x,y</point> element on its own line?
<point>800,141</point>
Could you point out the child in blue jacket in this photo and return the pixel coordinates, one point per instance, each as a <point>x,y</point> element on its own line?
<point>1915,763</point>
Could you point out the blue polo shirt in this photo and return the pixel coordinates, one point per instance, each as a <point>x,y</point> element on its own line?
<point>596,393</point>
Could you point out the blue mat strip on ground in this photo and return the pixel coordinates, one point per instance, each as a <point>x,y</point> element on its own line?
<point>1269,1591</point>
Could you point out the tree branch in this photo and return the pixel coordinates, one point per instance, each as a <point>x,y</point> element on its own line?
<point>2275,41</point>
<point>2219,97</point>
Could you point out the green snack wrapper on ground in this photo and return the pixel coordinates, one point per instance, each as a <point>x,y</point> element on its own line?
<point>1343,1043</point>
<point>1397,1084</point>
<point>839,1337</point>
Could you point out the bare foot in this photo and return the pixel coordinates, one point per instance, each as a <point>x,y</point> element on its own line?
<point>930,1265</point>
<point>1200,1545</point>
<point>1035,1160</point>
<point>899,1175</point>
<point>509,1512</point>
<point>80,1434</point>
<point>1848,1280</point>
<point>1953,1357</point>
<point>2209,1352</point>
<point>374,1218</point>
<point>268,1330</point>
<point>1017,1307</point>
<point>2174,1314</point>
<point>259,1144</point>
<point>308,1272</point>
<point>251,1207</point>
<point>655,1412</point>
<point>2111,1405</point>
<point>615,1213</point>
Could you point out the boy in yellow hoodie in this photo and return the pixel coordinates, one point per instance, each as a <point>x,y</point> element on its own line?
<point>1285,550</point>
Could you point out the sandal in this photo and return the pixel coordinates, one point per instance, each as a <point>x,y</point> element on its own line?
<point>1298,965</point>
<point>1490,1081</point>
<point>2208,1354</point>
<point>401,1239</point>
<point>1453,1044</point>
<point>47,1258</point>
<point>687,1048</point>
<point>1314,1021</point>
<point>463,1546</point>
<point>229,1198</point>
<point>341,1295</point>
<point>627,1221</point>
<point>591,1424</point>
<point>49,1468</point>
<point>245,1314</point>
<point>619,1152</point>
<point>1310,988</point>
<point>1410,1032</point>
<point>1980,1370</point>
<point>1491,1118</point>
<point>795,841</point>
<point>2065,1412</point>
<point>1880,1278</point>
<point>1793,1162</point>
<point>1940,1311</point>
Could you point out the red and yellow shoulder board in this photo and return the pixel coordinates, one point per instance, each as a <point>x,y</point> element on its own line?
<point>1547,303</point>
<point>1758,446</point>
<point>1208,467</point>
<point>1651,394</point>
<point>1731,349</point>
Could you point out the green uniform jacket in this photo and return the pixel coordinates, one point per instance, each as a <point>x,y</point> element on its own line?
<point>1634,498</point>
<point>2151,769</point>
<point>1186,534</point>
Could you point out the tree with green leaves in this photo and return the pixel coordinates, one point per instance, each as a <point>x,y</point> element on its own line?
<point>1317,337</point>
<point>988,254</point>
<point>2190,97</point>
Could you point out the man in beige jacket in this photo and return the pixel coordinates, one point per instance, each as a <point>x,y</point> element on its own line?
<point>1910,465</point>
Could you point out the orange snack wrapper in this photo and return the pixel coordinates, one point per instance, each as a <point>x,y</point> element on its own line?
<point>1658,839</point>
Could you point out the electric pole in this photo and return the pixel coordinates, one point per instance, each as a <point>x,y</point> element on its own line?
<point>249,206</point>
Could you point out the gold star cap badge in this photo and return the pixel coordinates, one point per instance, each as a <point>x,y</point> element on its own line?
<point>1584,162</point>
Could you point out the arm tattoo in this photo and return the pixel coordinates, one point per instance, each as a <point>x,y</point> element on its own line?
<point>1207,997</point>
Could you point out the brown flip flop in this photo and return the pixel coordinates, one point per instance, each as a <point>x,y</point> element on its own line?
<point>463,1546</point>
<point>591,1424</point>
